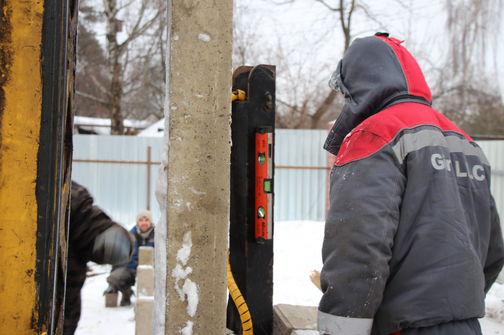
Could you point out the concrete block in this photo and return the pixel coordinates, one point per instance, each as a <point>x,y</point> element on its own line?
<point>111,300</point>
<point>305,332</point>
<point>143,315</point>
<point>146,256</point>
<point>287,319</point>
<point>145,280</point>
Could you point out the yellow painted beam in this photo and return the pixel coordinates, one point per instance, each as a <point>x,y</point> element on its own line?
<point>20,111</point>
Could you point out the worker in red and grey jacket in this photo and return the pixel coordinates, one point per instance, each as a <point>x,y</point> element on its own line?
<point>412,239</point>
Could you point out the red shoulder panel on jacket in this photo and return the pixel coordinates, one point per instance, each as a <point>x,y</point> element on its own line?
<point>380,129</point>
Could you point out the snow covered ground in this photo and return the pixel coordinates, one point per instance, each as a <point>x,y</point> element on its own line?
<point>297,253</point>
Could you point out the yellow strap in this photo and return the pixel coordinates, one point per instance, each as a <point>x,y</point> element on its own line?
<point>239,301</point>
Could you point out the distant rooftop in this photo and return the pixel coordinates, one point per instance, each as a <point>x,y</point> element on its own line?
<point>100,126</point>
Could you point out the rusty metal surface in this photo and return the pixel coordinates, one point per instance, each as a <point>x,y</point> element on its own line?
<point>35,150</point>
<point>20,110</point>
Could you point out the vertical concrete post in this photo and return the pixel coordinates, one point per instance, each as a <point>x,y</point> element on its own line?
<point>199,115</point>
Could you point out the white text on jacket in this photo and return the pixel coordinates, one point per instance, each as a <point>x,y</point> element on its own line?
<point>441,163</point>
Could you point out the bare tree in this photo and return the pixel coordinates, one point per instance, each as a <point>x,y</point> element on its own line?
<point>488,116</point>
<point>461,80</point>
<point>91,95</point>
<point>246,39</point>
<point>345,11</point>
<point>470,25</point>
<point>134,29</point>
<point>464,89</point>
<point>301,86</point>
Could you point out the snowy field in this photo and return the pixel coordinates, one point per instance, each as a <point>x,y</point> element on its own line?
<point>297,253</point>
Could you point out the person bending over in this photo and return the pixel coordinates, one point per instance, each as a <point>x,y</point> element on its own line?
<point>93,236</point>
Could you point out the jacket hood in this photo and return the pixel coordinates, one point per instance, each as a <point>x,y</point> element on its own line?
<point>375,73</point>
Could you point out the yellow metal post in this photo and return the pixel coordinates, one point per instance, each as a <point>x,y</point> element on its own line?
<point>36,90</point>
<point>20,111</point>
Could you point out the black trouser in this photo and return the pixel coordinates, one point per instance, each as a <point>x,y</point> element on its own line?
<point>121,278</point>
<point>463,327</point>
<point>76,275</point>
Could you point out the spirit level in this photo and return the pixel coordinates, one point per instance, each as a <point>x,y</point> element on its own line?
<point>264,184</point>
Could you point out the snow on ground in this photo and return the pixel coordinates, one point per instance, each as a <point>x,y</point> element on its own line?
<point>95,318</point>
<point>297,253</point>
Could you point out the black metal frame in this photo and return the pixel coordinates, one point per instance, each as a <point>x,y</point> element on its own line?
<point>54,160</point>
<point>251,262</point>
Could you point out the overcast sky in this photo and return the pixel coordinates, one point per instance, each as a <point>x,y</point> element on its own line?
<point>307,25</point>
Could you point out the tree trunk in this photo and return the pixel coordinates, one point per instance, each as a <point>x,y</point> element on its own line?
<point>345,21</point>
<point>323,109</point>
<point>116,117</point>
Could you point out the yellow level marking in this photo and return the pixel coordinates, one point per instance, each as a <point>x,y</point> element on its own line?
<point>19,143</point>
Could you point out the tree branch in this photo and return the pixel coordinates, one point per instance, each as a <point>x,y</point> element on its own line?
<point>334,9</point>
<point>92,98</point>
<point>285,103</point>
<point>139,31</point>
<point>97,83</point>
<point>284,2</point>
<point>369,15</point>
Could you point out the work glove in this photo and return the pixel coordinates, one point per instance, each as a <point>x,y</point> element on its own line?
<point>113,246</point>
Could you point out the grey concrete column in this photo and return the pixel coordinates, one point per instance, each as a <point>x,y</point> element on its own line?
<point>197,211</point>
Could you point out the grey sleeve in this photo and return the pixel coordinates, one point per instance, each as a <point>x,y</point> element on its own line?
<point>365,201</point>
<point>495,256</point>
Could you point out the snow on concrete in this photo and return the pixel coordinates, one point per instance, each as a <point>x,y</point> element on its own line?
<point>184,252</point>
<point>161,299</point>
<point>180,274</point>
<point>190,289</point>
<point>204,37</point>
<point>187,330</point>
<point>297,252</point>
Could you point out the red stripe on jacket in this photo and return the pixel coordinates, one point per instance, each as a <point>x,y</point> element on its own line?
<point>380,129</point>
<point>414,76</point>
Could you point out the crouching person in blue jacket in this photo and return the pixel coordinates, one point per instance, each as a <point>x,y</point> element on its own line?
<point>122,278</point>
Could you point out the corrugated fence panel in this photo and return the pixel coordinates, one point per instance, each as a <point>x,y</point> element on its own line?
<point>494,150</point>
<point>119,189</point>
<point>300,193</point>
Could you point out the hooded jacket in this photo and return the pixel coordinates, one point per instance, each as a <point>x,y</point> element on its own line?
<point>87,222</point>
<point>412,236</point>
